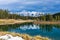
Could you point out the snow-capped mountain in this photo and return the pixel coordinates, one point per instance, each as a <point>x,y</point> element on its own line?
<point>28,13</point>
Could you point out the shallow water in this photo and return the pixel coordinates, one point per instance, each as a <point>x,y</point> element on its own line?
<point>51,31</point>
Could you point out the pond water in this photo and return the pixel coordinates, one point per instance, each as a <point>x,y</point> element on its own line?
<point>45,30</point>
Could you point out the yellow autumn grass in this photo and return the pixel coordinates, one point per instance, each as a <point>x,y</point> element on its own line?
<point>25,36</point>
<point>13,21</point>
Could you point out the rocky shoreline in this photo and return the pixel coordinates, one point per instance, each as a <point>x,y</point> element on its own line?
<point>21,36</point>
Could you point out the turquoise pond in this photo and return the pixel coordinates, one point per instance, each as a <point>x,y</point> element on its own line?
<point>44,30</point>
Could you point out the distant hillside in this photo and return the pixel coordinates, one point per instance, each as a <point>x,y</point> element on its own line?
<point>56,14</point>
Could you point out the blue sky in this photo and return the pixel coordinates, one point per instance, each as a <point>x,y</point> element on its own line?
<point>31,5</point>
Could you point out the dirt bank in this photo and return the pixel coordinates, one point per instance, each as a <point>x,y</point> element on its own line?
<point>46,22</point>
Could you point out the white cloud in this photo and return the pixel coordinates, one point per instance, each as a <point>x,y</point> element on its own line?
<point>3,2</point>
<point>29,4</point>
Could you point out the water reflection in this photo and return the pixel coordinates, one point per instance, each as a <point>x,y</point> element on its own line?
<point>52,31</point>
<point>25,27</point>
<point>29,26</point>
<point>7,27</point>
<point>47,28</point>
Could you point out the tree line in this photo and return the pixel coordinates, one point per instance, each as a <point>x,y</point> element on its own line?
<point>5,14</point>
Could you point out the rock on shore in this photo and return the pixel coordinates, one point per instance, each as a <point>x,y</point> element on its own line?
<point>17,36</point>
